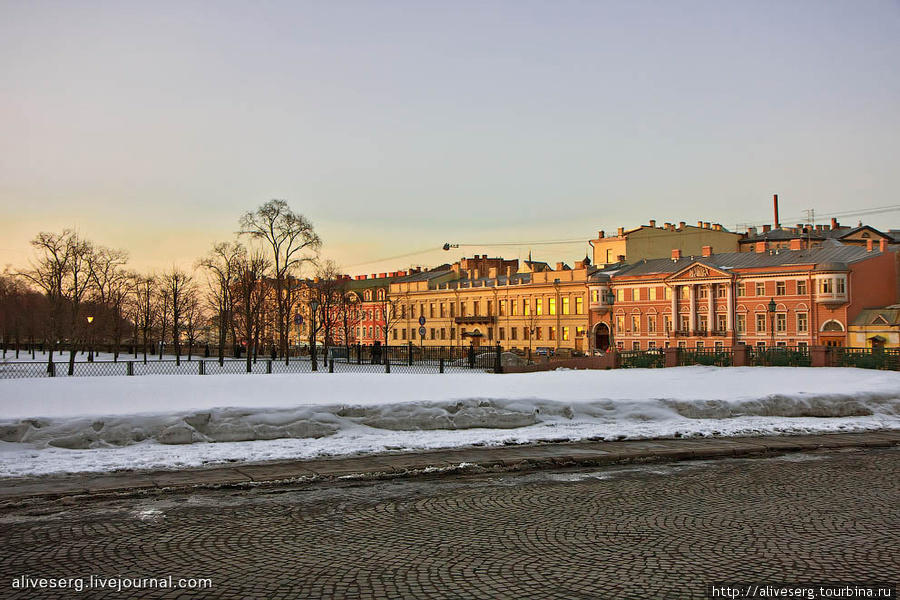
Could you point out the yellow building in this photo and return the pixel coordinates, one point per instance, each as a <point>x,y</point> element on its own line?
<point>649,242</point>
<point>485,301</point>
<point>876,328</point>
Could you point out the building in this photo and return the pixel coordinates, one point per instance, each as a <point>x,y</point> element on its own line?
<point>649,242</point>
<point>725,299</point>
<point>809,236</point>
<point>488,301</point>
<point>876,328</point>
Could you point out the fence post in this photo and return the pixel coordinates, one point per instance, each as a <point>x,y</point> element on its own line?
<point>409,348</point>
<point>130,370</point>
<point>201,367</point>
<point>741,356</point>
<point>269,366</point>
<point>358,353</point>
<point>671,356</point>
<point>498,365</point>
<point>331,365</point>
<point>387,365</point>
<point>472,356</point>
<point>442,365</point>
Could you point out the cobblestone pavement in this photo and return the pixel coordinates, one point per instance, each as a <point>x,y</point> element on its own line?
<point>638,531</point>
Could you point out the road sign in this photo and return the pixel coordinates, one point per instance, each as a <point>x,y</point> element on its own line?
<point>421,320</point>
<point>298,319</point>
<point>422,331</point>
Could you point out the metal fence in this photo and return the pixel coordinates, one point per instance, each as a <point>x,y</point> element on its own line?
<point>642,359</point>
<point>867,358</point>
<point>780,356</point>
<point>359,359</point>
<point>719,357</point>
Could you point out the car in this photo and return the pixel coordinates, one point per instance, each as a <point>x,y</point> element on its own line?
<point>545,351</point>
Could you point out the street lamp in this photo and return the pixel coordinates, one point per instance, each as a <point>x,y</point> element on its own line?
<point>90,321</point>
<point>772,307</point>
<point>313,307</point>
<point>558,310</point>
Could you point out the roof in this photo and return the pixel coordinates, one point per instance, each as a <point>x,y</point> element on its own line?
<point>426,275</point>
<point>869,316</point>
<point>751,260</point>
<point>781,234</point>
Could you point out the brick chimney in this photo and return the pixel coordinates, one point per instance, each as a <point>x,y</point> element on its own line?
<point>681,224</point>
<point>869,245</point>
<point>834,224</point>
<point>652,223</point>
<point>707,251</point>
<point>882,245</point>
<point>620,231</point>
<point>559,266</point>
<point>796,244</point>
<point>760,247</point>
<point>602,234</point>
<point>676,254</point>
<point>767,228</point>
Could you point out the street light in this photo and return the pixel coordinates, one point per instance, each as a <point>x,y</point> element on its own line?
<point>772,307</point>
<point>313,307</point>
<point>90,321</point>
<point>558,310</point>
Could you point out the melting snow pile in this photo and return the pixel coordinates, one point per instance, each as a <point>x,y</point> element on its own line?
<point>102,424</point>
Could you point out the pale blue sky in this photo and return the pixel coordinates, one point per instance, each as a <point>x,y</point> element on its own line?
<point>398,126</point>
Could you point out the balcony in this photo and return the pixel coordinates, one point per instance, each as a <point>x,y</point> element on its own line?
<point>475,319</point>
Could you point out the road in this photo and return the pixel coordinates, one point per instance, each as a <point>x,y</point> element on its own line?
<point>646,531</point>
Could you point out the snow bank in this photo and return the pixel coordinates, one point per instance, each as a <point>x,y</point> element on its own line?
<point>98,424</point>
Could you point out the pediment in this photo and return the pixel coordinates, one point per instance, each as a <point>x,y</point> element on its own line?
<point>698,271</point>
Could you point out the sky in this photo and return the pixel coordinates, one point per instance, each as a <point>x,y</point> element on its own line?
<point>396,127</point>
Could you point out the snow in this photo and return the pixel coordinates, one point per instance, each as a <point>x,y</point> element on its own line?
<point>95,424</point>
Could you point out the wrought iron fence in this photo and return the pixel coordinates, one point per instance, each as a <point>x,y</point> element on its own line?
<point>867,358</point>
<point>780,356</point>
<point>642,359</point>
<point>719,357</point>
<point>362,359</point>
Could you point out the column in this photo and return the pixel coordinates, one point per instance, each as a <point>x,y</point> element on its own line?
<point>692,307</point>
<point>674,309</point>
<point>711,307</point>
<point>729,299</point>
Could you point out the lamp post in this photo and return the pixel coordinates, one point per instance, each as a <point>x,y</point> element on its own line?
<point>90,321</point>
<point>772,307</point>
<point>313,307</point>
<point>609,298</point>
<point>558,310</point>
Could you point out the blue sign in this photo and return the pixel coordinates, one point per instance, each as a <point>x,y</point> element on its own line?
<point>422,332</point>
<point>298,319</point>
<point>421,320</point>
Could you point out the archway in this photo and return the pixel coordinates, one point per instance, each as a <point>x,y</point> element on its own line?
<point>601,337</point>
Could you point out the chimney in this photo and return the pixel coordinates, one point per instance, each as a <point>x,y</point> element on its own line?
<point>834,224</point>
<point>705,224</point>
<point>760,247</point>
<point>620,232</point>
<point>775,202</point>
<point>882,245</point>
<point>751,231</point>
<point>652,223</point>
<point>668,226</point>
<point>699,224</point>
<point>676,254</point>
<point>620,258</point>
<point>559,266</point>
<point>382,275</point>
<point>796,244</point>
<point>767,228</point>
<point>869,245</point>
<point>510,272</point>
<point>602,234</point>
<point>372,276</point>
<point>681,225</point>
<point>707,251</point>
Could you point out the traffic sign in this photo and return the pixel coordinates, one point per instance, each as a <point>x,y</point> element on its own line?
<point>421,320</point>
<point>298,319</point>
<point>422,331</point>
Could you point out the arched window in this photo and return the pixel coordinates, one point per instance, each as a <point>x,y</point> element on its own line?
<point>368,295</point>
<point>832,326</point>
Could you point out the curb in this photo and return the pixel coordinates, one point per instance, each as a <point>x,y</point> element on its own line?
<point>431,463</point>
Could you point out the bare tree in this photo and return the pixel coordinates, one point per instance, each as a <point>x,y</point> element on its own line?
<point>391,310</point>
<point>326,288</point>
<point>177,288</point>
<point>193,317</point>
<point>250,297</point>
<point>292,242</point>
<point>145,290</point>
<point>222,264</point>
<point>348,311</point>
<point>63,270</point>
<point>111,288</point>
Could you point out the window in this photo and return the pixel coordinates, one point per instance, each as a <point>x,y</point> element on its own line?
<point>514,307</point>
<point>526,333</point>
<point>682,344</point>
<point>526,307</point>
<point>443,333</point>
<point>700,345</point>
<point>741,290</point>
<point>667,322</point>
<point>551,333</point>
<point>476,307</point>
<point>802,344</point>
<point>443,312</point>
<point>538,334</point>
<point>635,324</point>
<point>502,334</point>
<point>635,345</point>
<point>651,345</point>
<point>565,306</point>
<point>595,296</point>
<point>760,288</point>
<point>490,333</point>
<point>721,322</point>
<point>565,334</point>
<point>760,344</point>
<point>462,309</point>
<point>802,323</point>
<point>685,292</point>
<point>651,323</point>
<point>452,309</point>
<point>551,306</point>
<point>490,308</point>
<point>404,333</point>
<point>801,287</point>
<point>579,305</point>
<point>780,288</point>
<point>703,292</point>
<point>502,308</point>
<point>840,285</point>
<point>513,333</point>
<point>825,286</point>
<point>653,293</point>
<point>685,323</point>
<point>760,323</point>
<point>539,306</point>
<point>740,323</point>
<point>703,323</point>
<point>667,293</point>
<point>620,324</point>
<point>620,295</point>
<point>719,346</point>
<point>394,333</point>
<point>452,333</point>
<point>781,323</point>
<point>432,333</point>
<point>579,332</point>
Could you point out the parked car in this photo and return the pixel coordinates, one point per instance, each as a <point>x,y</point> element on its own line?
<point>545,351</point>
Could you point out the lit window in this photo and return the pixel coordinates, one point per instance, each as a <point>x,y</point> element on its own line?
<point>551,306</point>
<point>565,306</point>
<point>579,305</point>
